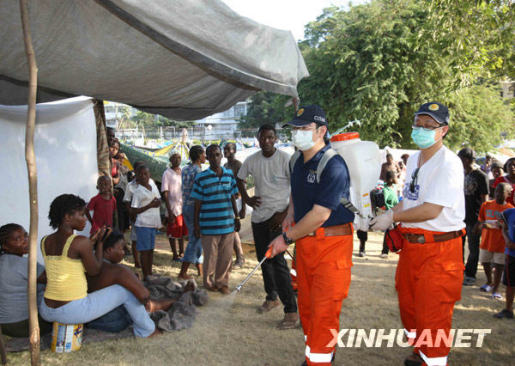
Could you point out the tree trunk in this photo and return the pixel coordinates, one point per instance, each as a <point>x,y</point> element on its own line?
<point>33,189</point>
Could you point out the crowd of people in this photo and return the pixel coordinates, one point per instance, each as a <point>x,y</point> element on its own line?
<point>439,200</point>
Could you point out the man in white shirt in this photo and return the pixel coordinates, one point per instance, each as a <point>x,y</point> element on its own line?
<point>271,172</point>
<point>430,269</point>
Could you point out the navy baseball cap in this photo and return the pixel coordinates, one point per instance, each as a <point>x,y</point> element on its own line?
<point>438,111</point>
<point>308,114</point>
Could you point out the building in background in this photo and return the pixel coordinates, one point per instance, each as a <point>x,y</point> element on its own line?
<point>224,124</point>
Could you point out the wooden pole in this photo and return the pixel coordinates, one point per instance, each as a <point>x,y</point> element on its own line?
<point>33,188</point>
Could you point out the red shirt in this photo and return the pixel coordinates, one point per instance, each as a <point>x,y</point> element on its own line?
<point>492,239</point>
<point>102,211</point>
<point>505,180</point>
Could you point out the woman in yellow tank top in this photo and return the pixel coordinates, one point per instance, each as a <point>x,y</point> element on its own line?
<point>67,258</point>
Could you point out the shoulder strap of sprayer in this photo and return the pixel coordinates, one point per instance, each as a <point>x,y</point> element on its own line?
<point>328,155</point>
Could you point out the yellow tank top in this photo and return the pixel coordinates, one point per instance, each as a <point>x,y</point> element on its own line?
<point>66,279</point>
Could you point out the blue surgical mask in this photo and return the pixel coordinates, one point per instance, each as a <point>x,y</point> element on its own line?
<point>422,137</point>
<point>303,139</point>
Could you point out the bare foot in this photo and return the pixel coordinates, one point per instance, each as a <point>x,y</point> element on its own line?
<point>156,333</point>
<point>184,277</point>
<point>156,305</point>
<point>190,286</point>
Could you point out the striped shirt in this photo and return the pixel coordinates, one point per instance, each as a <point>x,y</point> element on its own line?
<point>216,213</point>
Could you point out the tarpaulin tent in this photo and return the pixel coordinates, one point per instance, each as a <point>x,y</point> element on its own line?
<point>182,59</point>
<point>66,152</point>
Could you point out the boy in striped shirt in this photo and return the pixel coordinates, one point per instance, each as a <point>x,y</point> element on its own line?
<point>216,219</point>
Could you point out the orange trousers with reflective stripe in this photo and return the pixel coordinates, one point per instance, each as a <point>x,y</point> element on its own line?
<point>428,280</point>
<point>323,278</point>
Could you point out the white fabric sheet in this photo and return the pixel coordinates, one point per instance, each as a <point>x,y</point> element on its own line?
<point>66,158</point>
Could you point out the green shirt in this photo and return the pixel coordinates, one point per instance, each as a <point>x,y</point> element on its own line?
<point>390,196</point>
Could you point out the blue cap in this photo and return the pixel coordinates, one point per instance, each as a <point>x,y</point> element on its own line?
<point>308,114</point>
<point>437,111</point>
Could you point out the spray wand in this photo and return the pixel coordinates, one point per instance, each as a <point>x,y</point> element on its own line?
<point>268,255</point>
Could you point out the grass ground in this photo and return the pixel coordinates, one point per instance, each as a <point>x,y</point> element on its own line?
<point>228,331</point>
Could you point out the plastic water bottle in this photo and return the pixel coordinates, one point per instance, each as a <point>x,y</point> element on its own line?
<point>363,160</point>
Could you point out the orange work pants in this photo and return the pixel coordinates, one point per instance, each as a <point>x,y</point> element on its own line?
<point>428,282</point>
<point>323,275</point>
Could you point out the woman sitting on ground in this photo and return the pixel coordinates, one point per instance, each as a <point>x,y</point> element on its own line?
<point>14,310</point>
<point>67,258</point>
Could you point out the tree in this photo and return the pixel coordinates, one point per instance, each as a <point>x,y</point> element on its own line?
<point>378,62</point>
<point>266,107</point>
<point>477,116</point>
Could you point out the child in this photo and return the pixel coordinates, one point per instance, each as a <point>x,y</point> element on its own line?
<point>127,199</point>
<point>491,250</point>
<point>14,311</point>
<point>103,205</point>
<point>171,187</point>
<point>508,232</point>
<point>216,217</point>
<point>145,206</point>
<point>390,201</point>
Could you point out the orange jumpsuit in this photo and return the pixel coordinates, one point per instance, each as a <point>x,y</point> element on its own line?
<point>323,276</point>
<point>428,281</point>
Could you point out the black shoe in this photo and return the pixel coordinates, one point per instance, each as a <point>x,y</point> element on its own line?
<point>408,362</point>
<point>412,363</point>
<point>504,314</point>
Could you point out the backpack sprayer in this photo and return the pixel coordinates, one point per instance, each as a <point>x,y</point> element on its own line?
<point>363,160</point>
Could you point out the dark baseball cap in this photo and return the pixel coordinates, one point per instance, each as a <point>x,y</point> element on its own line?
<point>308,114</point>
<point>467,153</point>
<point>438,111</point>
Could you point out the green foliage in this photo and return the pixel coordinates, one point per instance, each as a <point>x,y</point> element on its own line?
<point>267,107</point>
<point>364,66</point>
<point>149,120</point>
<point>477,118</point>
<point>378,62</point>
<point>476,37</point>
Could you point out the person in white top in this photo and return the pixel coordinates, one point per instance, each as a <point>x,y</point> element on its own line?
<point>270,169</point>
<point>430,216</point>
<point>127,199</point>
<point>145,204</point>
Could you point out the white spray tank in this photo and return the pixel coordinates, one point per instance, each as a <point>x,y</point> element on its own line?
<point>363,160</point>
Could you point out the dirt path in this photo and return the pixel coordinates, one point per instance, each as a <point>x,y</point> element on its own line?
<point>232,333</point>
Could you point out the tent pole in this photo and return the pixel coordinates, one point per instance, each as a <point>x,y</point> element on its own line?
<point>33,192</point>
